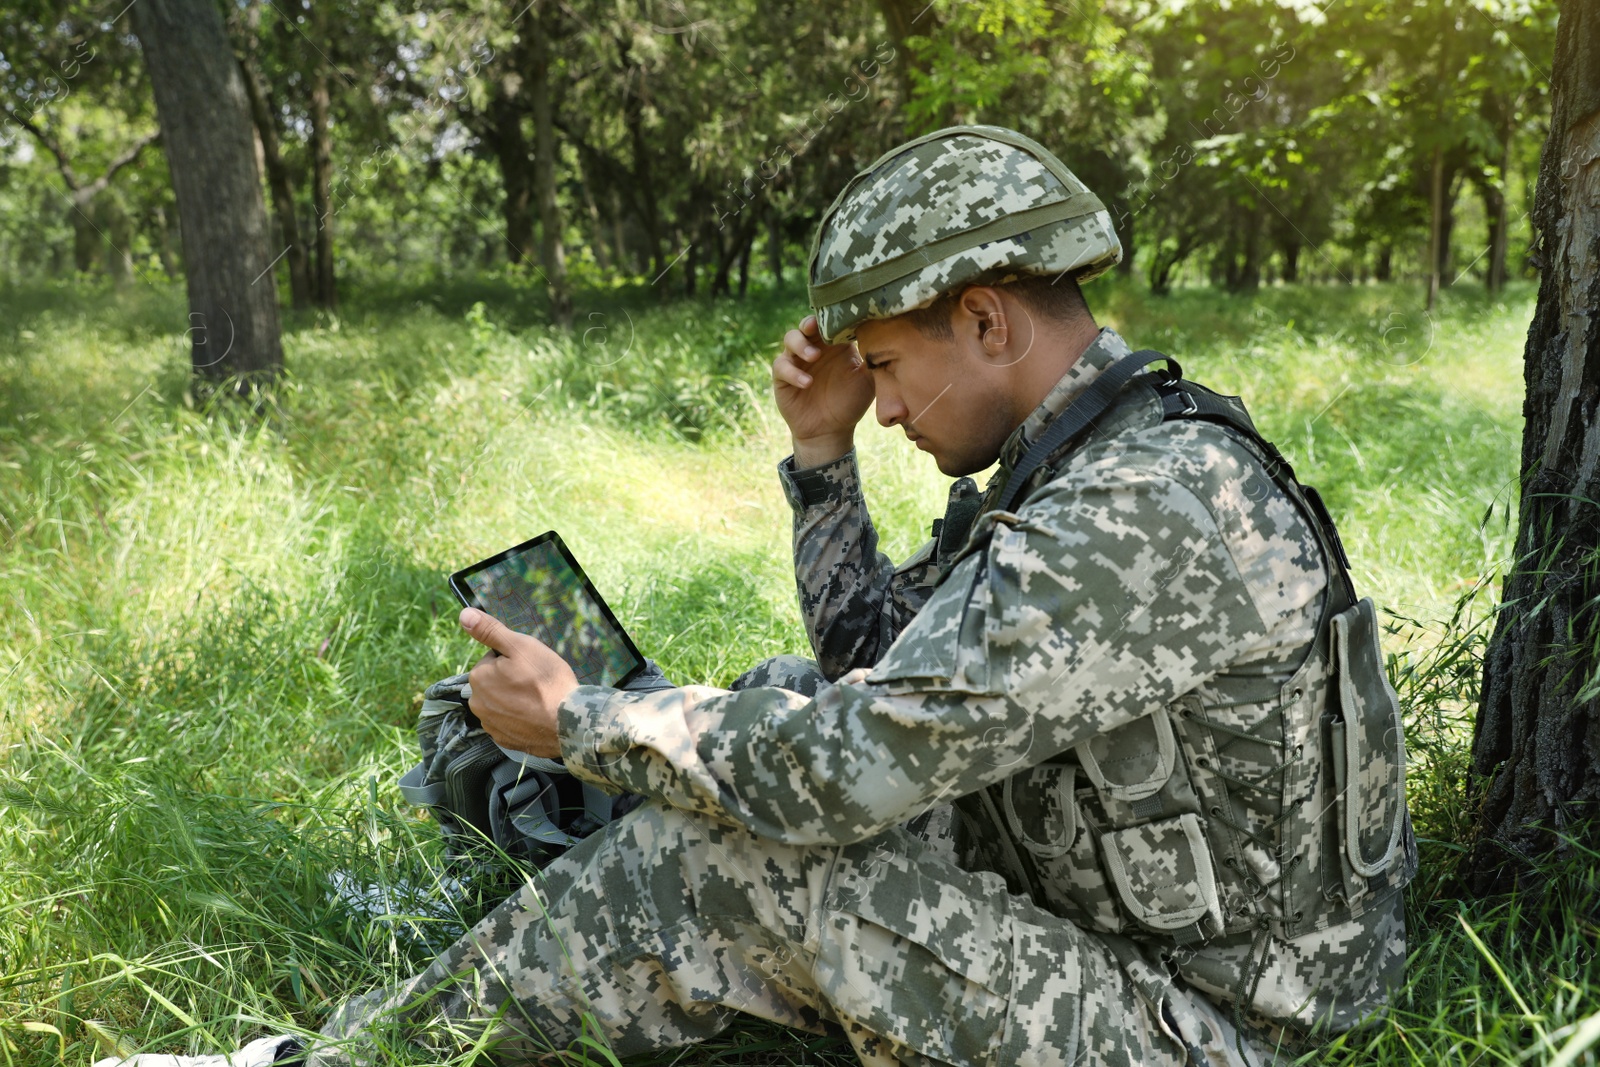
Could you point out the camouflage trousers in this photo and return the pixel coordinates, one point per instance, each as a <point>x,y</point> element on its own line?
<point>668,925</point>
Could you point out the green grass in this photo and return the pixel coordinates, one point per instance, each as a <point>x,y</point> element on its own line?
<point>216,627</point>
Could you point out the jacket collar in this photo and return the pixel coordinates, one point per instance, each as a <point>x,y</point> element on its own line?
<point>1107,347</point>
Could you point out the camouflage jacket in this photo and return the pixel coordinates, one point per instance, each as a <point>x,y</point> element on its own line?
<point>1120,683</point>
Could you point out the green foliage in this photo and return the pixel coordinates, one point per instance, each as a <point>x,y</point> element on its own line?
<point>1233,141</point>
<point>218,626</point>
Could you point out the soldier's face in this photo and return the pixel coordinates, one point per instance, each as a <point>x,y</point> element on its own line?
<point>954,403</point>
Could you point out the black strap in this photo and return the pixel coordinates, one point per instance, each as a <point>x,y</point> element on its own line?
<point>1089,405</point>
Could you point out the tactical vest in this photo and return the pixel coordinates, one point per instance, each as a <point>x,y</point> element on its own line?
<point>1144,830</point>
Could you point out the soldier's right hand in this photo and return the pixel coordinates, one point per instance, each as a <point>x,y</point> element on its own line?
<point>822,391</point>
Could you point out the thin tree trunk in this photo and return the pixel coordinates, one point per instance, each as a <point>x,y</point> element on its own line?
<point>552,256</point>
<point>619,236</point>
<point>206,130</point>
<point>597,242</point>
<point>1494,205</point>
<point>744,261</point>
<point>118,227</point>
<point>85,235</point>
<point>1435,224</point>
<point>774,246</point>
<point>278,184</point>
<point>911,18</point>
<point>325,292</point>
<point>516,177</point>
<point>1447,226</point>
<point>1537,739</point>
<point>163,234</point>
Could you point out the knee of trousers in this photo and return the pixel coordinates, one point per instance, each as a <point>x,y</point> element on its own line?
<point>795,673</point>
<point>660,866</point>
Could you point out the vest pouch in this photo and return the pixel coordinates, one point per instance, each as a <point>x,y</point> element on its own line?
<point>1366,745</point>
<point>1163,874</point>
<point>1132,762</point>
<point>1043,804</point>
<point>466,780</point>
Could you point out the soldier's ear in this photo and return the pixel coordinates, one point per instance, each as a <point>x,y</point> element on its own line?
<point>980,312</point>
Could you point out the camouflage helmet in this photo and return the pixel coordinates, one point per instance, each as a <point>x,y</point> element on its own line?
<point>961,206</point>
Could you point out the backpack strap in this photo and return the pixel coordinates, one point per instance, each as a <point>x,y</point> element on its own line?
<point>1089,405</point>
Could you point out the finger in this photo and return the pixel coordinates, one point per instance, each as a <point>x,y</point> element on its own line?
<point>799,345</point>
<point>785,371</point>
<point>810,328</point>
<point>489,631</point>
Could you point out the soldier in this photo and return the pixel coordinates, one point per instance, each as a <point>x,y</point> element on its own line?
<point>1108,772</point>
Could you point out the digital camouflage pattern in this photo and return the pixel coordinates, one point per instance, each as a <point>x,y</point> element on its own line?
<point>943,211</point>
<point>670,924</point>
<point>1114,692</point>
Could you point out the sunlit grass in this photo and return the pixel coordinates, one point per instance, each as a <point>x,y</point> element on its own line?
<point>215,626</point>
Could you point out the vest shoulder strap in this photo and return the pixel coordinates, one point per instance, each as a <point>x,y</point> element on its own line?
<point>1191,400</point>
<point>1079,416</point>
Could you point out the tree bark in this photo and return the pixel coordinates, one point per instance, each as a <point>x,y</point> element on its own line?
<point>279,185</point>
<point>206,130</point>
<point>511,150</point>
<point>903,19</point>
<point>325,293</point>
<point>774,246</point>
<point>1435,223</point>
<point>1494,206</point>
<point>118,227</point>
<point>1447,223</point>
<point>1536,746</point>
<point>552,256</point>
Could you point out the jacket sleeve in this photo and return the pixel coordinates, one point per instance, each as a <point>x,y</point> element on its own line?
<point>854,600</point>
<point>1108,596</point>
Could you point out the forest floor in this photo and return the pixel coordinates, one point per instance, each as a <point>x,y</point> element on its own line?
<point>216,627</point>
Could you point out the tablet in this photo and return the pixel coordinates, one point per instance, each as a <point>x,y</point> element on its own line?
<point>537,588</point>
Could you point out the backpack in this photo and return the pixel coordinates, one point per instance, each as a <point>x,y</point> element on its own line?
<point>494,803</point>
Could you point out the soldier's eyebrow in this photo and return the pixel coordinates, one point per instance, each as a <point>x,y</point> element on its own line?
<point>875,359</point>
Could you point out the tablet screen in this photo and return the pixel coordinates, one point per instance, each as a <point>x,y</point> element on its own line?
<point>537,588</point>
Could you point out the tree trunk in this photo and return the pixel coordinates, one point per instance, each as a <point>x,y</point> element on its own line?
<point>910,18</point>
<point>163,239</point>
<point>1291,262</point>
<point>691,268</point>
<point>278,184</point>
<point>597,242</point>
<point>1494,209</point>
<point>1537,740</point>
<point>1447,226</point>
<point>552,256</point>
<point>325,293</point>
<point>85,237</point>
<point>774,246</point>
<point>1435,217</point>
<point>118,227</point>
<point>206,131</point>
<point>1494,206</point>
<point>516,177</point>
<point>619,236</point>
<point>744,262</point>
<point>1383,270</point>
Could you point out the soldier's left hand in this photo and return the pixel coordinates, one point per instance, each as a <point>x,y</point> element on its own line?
<point>515,694</point>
